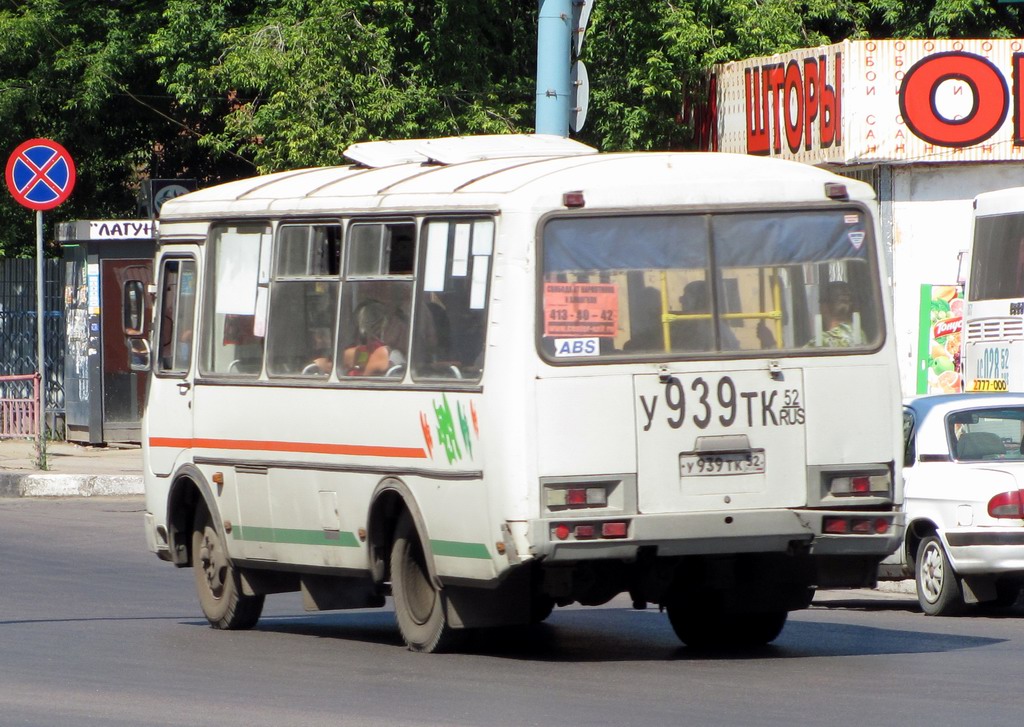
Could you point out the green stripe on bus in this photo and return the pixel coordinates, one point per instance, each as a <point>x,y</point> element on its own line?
<point>454,549</point>
<point>341,539</point>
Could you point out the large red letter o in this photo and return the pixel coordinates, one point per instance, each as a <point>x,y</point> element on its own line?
<point>917,99</point>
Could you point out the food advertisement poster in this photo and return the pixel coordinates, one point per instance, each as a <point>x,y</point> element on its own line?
<point>939,370</point>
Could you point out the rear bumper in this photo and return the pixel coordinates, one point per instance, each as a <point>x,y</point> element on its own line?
<point>985,551</point>
<point>717,533</point>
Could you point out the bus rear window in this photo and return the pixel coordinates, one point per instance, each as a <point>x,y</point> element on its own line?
<point>700,285</point>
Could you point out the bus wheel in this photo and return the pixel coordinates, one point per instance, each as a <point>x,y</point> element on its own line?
<point>217,584</point>
<point>541,607</point>
<point>419,605</point>
<point>938,586</point>
<point>708,629</point>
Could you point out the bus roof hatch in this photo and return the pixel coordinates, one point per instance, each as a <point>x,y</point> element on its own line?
<point>458,149</point>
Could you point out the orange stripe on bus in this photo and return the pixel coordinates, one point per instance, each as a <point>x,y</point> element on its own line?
<point>359,450</point>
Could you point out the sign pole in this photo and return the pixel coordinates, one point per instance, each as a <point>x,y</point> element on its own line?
<point>40,175</point>
<point>40,340</point>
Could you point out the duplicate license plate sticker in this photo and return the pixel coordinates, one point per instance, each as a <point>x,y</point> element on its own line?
<point>710,464</point>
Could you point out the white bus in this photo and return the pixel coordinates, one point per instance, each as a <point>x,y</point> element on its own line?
<point>993,313</point>
<point>489,376</point>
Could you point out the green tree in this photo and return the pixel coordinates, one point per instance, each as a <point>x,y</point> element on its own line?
<point>80,73</point>
<point>305,78</point>
<point>217,89</point>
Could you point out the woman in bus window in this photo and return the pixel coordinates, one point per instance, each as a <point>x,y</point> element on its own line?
<point>371,354</point>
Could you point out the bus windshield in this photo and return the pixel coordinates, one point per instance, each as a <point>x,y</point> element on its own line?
<point>694,285</point>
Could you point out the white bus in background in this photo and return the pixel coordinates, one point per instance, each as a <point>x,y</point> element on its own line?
<point>488,376</point>
<point>993,326</point>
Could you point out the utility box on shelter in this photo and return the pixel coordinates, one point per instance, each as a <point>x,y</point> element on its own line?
<point>103,396</point>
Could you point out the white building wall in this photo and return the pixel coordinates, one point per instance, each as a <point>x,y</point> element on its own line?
<point>929,220</point>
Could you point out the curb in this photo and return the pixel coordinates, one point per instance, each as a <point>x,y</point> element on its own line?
<point>53,485</point>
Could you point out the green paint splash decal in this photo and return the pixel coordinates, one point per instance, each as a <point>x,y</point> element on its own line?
<point>455,429</point>
<point>446,430</point>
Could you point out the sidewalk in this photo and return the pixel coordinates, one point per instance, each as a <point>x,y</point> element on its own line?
<point>73,470</point>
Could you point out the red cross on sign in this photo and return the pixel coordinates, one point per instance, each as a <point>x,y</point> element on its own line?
<point>40,174</point>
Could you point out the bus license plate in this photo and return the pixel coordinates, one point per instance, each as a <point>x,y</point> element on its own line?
<point>693,464</point>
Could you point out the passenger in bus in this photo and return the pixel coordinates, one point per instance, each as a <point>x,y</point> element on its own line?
<point>840,322</point>
<point>696,334</point>
<point>645,322</point>
<point>321,365</point>
<point>322,358</point>
<point>371,354</point>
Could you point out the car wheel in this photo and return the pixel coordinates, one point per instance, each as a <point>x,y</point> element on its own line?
<point>938,586</point>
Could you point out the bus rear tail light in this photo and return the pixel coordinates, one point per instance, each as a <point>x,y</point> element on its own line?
<point>855,525</point>
<point>591,530</point>
<point>835,525</point>
<point>1007,505</point>
<point>614,530</point>
<point>577,497</point>
<point>861,485</point>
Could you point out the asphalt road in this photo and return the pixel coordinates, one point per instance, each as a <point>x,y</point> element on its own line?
<point>94,630</point>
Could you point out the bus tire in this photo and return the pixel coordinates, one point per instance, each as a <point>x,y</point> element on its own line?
<point>217,583</point>
<point>709,629</point>
<point>419,604</point>
<point>938,586</point>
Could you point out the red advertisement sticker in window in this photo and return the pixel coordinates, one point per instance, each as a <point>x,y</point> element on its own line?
<point>581,309</point>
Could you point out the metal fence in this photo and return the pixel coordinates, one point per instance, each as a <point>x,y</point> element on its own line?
<point>18,348</point>
<point>19,406</point>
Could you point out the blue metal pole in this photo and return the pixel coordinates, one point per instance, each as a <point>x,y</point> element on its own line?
<point>554,38</point>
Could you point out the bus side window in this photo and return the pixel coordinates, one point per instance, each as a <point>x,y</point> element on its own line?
<point>234,311</point>
<point>376,299</point>
<point>451,299</point>
<point>304,301</point>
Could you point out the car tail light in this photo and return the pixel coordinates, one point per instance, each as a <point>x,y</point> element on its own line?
<point>1008,505</point>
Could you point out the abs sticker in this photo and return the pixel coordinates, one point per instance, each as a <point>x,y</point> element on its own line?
<point>566,347</point>
<point>581,309</point>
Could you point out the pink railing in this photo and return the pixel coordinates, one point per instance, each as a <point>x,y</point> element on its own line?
<point>19,416</point>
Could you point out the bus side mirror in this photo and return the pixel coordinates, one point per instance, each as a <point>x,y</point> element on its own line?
<point>134,308</point>
<point>139,358</point>
<point>134,325</point>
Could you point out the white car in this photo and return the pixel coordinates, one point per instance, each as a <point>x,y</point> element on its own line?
<point>963,475</point>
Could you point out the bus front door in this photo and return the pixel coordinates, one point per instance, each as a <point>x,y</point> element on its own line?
<point>169,435</point>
